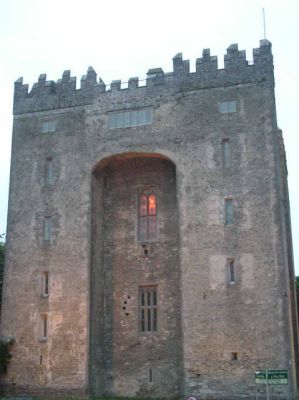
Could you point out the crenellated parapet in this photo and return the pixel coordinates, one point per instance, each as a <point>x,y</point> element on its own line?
<point>47,95</point>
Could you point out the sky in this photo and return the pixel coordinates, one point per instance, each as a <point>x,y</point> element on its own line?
<point>124,38</point>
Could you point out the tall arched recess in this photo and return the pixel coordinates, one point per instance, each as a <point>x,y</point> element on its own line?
<point>135,329</point>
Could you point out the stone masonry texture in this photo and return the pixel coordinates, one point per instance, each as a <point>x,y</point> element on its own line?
<point>212,139</point>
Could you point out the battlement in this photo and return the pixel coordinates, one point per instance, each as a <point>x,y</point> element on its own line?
<point>48,95</point>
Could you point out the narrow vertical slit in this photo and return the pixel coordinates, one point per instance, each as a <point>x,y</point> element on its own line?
<point>150,375</point>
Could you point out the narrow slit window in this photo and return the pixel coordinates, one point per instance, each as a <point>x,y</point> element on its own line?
<point>231,271</point>
<point>45,283</point>
<point>150,375</point>
<point>228,211</point>
<point>44,326</point>
<point>226,153</point>
<point>148,309</point>
<point>49,170</point>
<point>48,229</point>
<point>147,220</point>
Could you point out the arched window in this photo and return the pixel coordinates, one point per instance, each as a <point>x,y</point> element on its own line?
<point>147,221</point>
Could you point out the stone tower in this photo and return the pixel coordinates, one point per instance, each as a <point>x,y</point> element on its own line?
<point>149,245</point>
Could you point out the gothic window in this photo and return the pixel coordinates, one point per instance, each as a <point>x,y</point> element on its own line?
<point>147,219</point>
<point>148,309</point>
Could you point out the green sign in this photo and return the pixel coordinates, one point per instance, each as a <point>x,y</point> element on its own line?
<point>277,377</point>
<point>271,377</point>
<point>261,376</point>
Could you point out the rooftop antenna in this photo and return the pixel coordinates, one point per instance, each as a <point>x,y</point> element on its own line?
<point>264,23</point>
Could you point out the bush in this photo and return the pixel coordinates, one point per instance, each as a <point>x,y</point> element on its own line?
<point>5,356</point>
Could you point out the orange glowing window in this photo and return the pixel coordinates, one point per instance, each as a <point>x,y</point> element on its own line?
<point>152,204</point>
<point>147,229</point>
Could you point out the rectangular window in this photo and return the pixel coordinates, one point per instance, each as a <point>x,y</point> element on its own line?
<point>231,271</point>
<point>124,119</point>
<point>227,107</point>
<point>228,211</point>
<point>49,170</point>
<point>148,309</point>
<point>45,284</point>
<point>225,153</point>
<point>44,326</point>
<point>48,229</point>
<point>49,126</point>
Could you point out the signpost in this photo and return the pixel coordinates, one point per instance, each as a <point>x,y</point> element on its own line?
<point>271,377</point>
<point>261,376</point>
<point>277,377</point>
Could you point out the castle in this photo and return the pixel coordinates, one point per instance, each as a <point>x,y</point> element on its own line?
<point>149,244</point>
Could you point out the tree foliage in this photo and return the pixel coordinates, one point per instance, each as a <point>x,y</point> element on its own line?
<point>2,255</point>
<point>5,356</point>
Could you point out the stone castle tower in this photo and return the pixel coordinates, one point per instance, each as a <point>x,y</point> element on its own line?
<point>149,245</point>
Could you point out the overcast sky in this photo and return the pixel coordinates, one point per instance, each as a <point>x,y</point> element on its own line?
<point>124,38</point>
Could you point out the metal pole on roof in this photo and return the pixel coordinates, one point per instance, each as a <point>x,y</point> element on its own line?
<point>264,23</point>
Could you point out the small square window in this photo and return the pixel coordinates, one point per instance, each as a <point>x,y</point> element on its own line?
<point>227,107</point>
<point>49,127</point>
